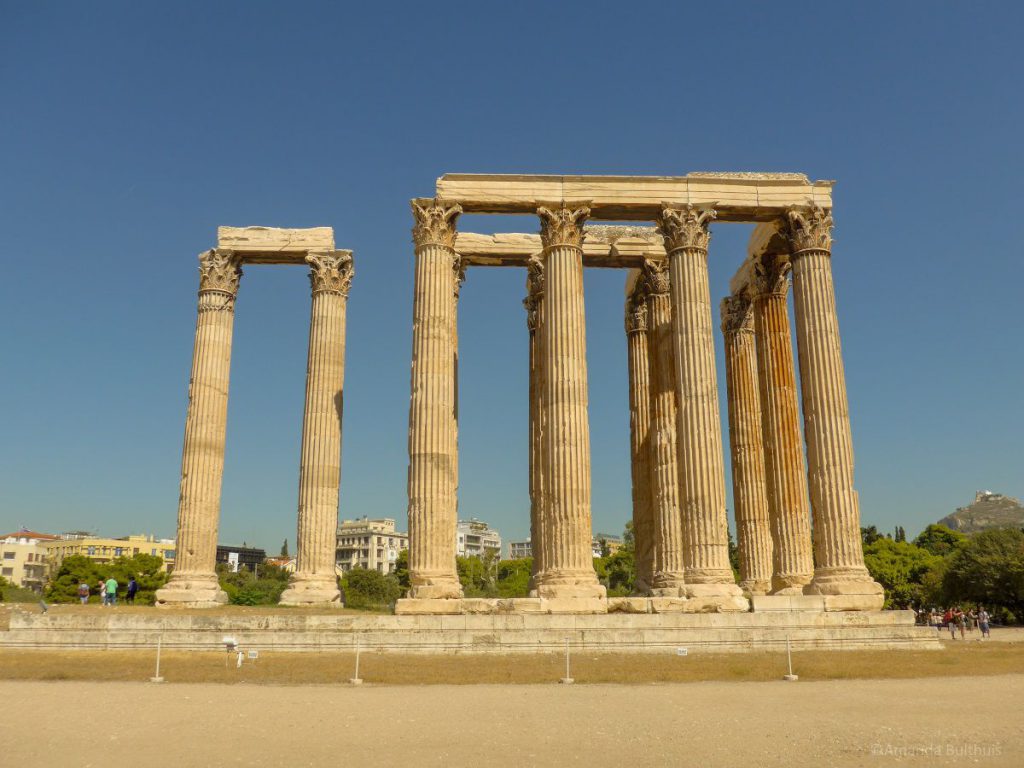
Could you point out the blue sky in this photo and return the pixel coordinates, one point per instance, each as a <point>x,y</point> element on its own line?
<point>130,131</point>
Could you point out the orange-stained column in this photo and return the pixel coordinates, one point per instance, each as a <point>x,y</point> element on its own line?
<point>786,474</point>
<point>640,437</point>
<point>669,560</point>
<point>568,559</point>
<point>432,409</point>
<point>753,536</point>
<point>839,572</point>
<point>709,576</point>
<point>314,581</point>
<point>534,304</point>
<point>193,582</point>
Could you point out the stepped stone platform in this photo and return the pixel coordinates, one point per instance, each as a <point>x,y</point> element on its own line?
<point>758,630</point>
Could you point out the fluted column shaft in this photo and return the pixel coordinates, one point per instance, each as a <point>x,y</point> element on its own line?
<point>432,417</point>
<point>750,500</point>
<point>640,438</point>
<point>668,521</point>
<point>569,567</point>
<point>790,516</point>
<point>838,552</point>
<point>534,304</point>
<point>699,433</point>
<point>314,580</point>
<point>193,581</point>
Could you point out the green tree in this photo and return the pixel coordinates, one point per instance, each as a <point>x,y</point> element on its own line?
<point>619,572</point>
<point>628,537</point>
<point>900,568</point>
<point>514,577</point>
<point>243,587</point>
<point>147,572</point>
<point>869,535</point>
<point>475,577</point>
<point>989,568</point>
<point>940,540</point>
<point>63,586</point>
<point>370,589</point>
<point>402,568</point>
<point>284,549</point>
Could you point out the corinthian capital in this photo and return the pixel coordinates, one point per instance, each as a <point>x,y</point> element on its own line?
<point>434,222</point>
<point>736,315</point>
<point>562,225</point>
<point>655,272</point>
<point>685,227</point>
<point>770,276</point>
<point>810,228</point>
<point>219,271</point>
<point>459,265</point>
<point>330,271</point>
<point>636,313</point>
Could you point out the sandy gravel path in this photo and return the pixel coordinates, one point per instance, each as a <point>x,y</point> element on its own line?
<point>954,721</point>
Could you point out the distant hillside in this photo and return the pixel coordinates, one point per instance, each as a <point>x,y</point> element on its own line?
<point>989,510</point>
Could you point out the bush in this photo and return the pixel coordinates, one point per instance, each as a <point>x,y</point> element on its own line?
<point>366,589</point>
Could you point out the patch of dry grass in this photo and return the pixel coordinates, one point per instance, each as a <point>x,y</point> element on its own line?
<point>396,669</point>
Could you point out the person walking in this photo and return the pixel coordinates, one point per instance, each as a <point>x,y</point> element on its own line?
<point>947,619</point>
<point>111,587</point>
<point>83,592</point>
<point>983,620</point>
<point>958,616</point>
<point>133,587</point>
<point>101,590</point>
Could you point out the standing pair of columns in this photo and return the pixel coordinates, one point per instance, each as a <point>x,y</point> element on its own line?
<point>770,487</point>
<point>560,457</point>
<point>193,581</point>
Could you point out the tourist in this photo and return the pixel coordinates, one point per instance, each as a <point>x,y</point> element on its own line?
<point>83,592</point>
<point>133,587</point>
<point>101,590</point>
<point>983,619</point>
<point>947,619</point>
<point>972,620</point>
<point>960,619</point>
<point>111,592</point>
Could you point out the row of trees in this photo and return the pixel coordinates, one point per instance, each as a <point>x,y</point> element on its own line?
<point>78,569</point>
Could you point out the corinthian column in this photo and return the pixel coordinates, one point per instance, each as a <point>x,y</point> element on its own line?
<point>568,559</point>
<point>699,432</point>
<point>193,581</point>
<point>640,437</point>
<point>668,522</point>
<point>753,536</point>
<point>839,574</point>
<point>534,304</point>
<point>314,581</point>
<point>432,416</point>
<point>784,455</point>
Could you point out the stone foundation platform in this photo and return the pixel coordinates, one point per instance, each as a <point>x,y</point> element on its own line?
<point>475,633</point>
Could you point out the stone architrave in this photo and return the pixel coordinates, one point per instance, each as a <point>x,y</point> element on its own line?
<point>432,410</point>
<point>753,535</point>
<point>314,581</point>
<point>839,572</point>
<point>669,565</point>
<point>699,433</point>
<point>568,560</point>
<point>534,305</point>
<point>193,582</point>
<point>640,437</point>
<point>786,475</point>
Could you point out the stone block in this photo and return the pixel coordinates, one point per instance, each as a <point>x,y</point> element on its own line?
<point>256,239</point>
<point>668,604</point>
<point>628,605</point>
<point>417,606</point>
<point>869,602</point>
<point>765,603</point>
<point>571,605</point>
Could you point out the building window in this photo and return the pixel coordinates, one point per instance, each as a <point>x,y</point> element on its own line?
<point>92,551</point>
<point>8,571</point>
<point>118,551</point>
<point>8,555</point>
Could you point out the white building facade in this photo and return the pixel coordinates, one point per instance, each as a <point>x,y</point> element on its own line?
<point>474,538</point>
<point>370,544</point>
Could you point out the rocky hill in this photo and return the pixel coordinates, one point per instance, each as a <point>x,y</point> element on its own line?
<point>989,510</point>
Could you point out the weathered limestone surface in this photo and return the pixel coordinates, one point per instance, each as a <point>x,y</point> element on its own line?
<point>668,522</point>
<point>784,456</point>
<point>193,581</point>
<point>314,581</point>
<point>840,574</point>
<point>274,245</point>
<point>432,419</point>
<point>701,471</point>
<point>640,437</point>
<point>534,304</point>
<point>569,568</point>
<point>750,499</point>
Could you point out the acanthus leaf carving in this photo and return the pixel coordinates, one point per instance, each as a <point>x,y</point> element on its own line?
<point>656,276</point>
<point>330,271</point>
<point>810,228</point>
<point>562,225</point>
<point>219,270</point>
<point>434,222</point>
<point>736,314</point>
<point>770,276</point>
<point>686,227</point>
<point>636,312</point>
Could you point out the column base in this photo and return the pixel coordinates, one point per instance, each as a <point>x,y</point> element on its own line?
<point>572,591</point>
<point>436,590</point>
<point>668,584</point>
<point>789,583</point>
<point>191,590</point>
<point>717,597</point>
<point>754,587</point>
<point>847,589</point>
<point>312,590</point>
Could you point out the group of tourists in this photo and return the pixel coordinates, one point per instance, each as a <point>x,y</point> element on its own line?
<point>107,590</point>
<point>956,620</point>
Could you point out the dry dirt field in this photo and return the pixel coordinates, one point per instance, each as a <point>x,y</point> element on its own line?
<point>936,721</point>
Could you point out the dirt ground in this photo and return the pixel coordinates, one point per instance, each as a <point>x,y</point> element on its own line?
<point>951,721</point>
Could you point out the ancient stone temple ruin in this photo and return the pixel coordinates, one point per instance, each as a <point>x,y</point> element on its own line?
<point>193,582</point>
<point>678,474</point>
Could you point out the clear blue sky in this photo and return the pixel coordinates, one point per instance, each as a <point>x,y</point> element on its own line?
<point>129,131</point>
